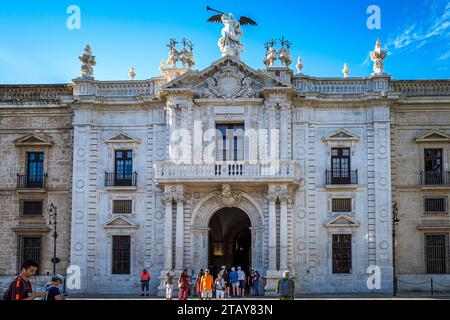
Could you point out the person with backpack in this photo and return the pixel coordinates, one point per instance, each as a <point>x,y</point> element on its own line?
<point>286,287</point>
<point>20,288</point>
<point>52,291</point>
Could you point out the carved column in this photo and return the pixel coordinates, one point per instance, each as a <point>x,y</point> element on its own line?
<point>179,241</point>
<point>174,151</point>
<point>272,232</point>
<point>283,232</point>
<point>274,133</point>
<point>283,142</point>
<point>168,201</point>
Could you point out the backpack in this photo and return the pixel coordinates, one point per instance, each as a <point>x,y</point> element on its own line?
<point>7,293</point>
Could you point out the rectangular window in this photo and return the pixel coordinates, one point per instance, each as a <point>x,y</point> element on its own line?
<point>121,254</point>
<point>32,207</point>
<point>28,248</point>
<point>341,205</point>
<point>35,169</point>
<point>124,168</point>
<point>122,206</point>
<point>436,252</point>
<point>340,166</point>
<point>342,254</point>
<point>230,142</point>
<point>435,205</point>
<point>433,166</point>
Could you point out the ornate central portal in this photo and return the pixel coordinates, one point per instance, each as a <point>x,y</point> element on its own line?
<point>230,240</point>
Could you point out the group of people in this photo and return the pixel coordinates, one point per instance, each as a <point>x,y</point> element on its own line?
<point>227,283</point>
<point>20,288</point>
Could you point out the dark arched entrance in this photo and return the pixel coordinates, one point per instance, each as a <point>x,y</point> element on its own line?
<point>230,240</point>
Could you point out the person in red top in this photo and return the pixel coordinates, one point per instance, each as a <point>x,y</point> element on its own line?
<point>20,288</point>
<point>183,285</point>
<point>145,282</point>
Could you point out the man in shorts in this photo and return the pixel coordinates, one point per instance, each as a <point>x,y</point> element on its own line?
<point>234,282</point>
<point>207,285</point>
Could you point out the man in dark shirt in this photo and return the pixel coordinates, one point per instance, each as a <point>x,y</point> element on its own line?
<point>52,291</point>
<point>20,288</point>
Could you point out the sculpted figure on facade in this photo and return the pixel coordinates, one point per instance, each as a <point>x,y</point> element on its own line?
<point>272,55</point>
<point>230,43</point>
<point>228,199</point>
<point>229,83</point>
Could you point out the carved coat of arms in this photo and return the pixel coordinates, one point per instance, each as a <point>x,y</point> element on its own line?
<point>228,199</point>
<point>229,83</point>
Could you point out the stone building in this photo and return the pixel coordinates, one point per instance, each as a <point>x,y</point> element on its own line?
<point>36,170</point>
<point>421,183</point>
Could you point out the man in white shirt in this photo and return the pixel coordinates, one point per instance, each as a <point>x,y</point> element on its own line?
<point>241,278</point>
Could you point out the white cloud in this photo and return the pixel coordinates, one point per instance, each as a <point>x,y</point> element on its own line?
<point>416,35</point>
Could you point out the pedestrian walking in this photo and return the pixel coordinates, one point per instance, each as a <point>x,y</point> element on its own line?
<point>168,283</point>
<point>256,279</point>
<point>234,279</point>
<point>20,288</point>
<point>241,278</point>
<point>207,285</point>
<point>145,282</point>
<point>183,285</point>
<point>286,287</point>
<point>52,291</point>
<point>220,287</point>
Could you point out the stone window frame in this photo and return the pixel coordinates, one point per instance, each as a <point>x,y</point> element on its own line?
<point>111,200</point>
<point>32,198</point>
<point>425,214</point>
<point>109,256</point>
<point>341,143</point>
<point>44,255</point>
<point>348,195</point>
<point>434,145</point>
<point>424,253</point>
<point>113,146</point>
<point>338,231</point>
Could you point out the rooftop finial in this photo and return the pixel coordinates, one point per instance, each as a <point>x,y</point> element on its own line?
<point>88,63</point>
<point>131,73</point>
<point>378,56</point>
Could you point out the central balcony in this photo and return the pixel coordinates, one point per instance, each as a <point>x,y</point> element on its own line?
<point>287,171</point>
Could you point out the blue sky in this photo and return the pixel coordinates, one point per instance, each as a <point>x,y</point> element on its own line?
<point>37,47</point>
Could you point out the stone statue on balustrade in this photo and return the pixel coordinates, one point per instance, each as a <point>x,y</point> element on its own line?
<point>272,55</point>
<point>378,56</point>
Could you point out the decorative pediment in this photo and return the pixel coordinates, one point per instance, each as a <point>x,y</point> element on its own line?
<point>120,222</point>
<point>342,221</point>
<point>434,136</point>
<point>122,137</point>
<point>227,78</point>
<point>33,140</point>
<point>341,135</point>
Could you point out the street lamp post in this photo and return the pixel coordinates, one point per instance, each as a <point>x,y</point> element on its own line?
<point>395,221</point>
<point>52,219</point>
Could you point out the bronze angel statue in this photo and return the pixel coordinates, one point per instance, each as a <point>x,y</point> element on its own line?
<point>230,43</point>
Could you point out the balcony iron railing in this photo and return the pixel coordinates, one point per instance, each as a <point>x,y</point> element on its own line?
<point>437,178</point>
<point>120,180</point>
<point>341,177</point>
<point>32,181</point>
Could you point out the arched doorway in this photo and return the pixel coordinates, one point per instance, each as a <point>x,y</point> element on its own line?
<point>230,240</point>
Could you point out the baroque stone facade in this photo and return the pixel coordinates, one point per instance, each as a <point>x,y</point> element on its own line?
<point>139,173</point>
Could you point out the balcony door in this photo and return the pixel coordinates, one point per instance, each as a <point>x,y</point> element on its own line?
<point>123,168</point>
<point>230,142</point>
<point>35,169</point>
<point>340,166</point>
<point>433,166</point>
